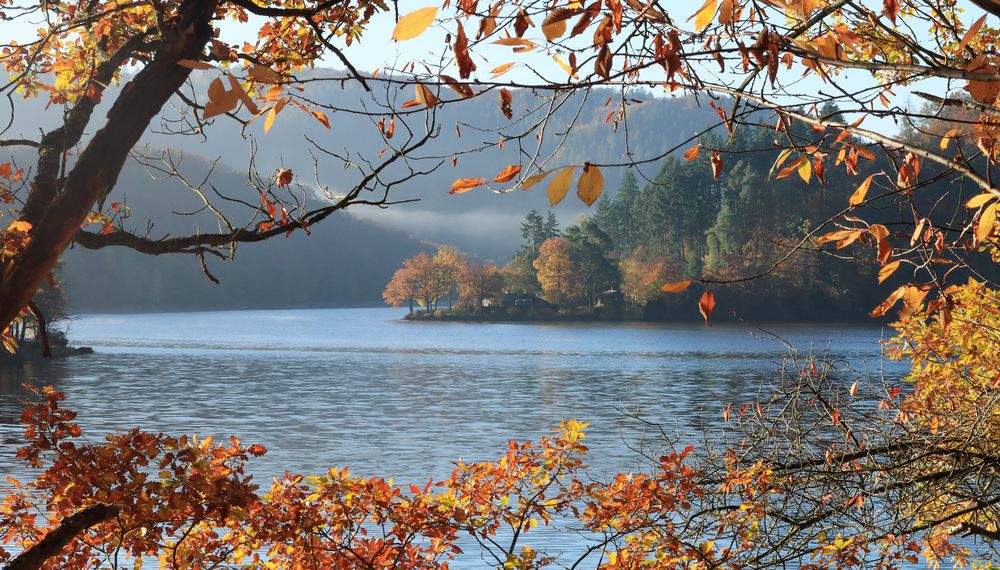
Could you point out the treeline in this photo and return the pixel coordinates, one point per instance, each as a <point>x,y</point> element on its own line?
<point>680,224</point>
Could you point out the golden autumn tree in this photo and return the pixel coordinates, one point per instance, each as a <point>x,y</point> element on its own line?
<point>478,281</point>
<point>561,278</point>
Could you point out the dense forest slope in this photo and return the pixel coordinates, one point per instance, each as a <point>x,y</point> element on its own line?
<point>345,260</point>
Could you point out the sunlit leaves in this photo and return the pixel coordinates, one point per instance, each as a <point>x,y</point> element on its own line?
<point>591,184</point>
<point>414,23</point>
<point>980,199</point>
<point>859,195</point>
<point>559,185</point>
<point>987,221</point>
<point>534,179</point>
<point>887,270</point>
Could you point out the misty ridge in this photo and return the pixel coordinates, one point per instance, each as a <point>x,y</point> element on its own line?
<point>349,257</point>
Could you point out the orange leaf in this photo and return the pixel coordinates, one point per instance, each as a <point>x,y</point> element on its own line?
<point>692,153</point>
<point>888,270</point>
<point>705,306</point>
<point>535,179</point>
<point>591,184</point>
<point>284,177</point>
<point>463,185</point>
<point>973,30</point>
<point>508,173</point>
<point>676,286</point>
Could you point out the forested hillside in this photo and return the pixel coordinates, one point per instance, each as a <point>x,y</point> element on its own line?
<point>344,261</point>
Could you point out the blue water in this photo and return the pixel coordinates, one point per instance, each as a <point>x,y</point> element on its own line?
<point>362,389</point>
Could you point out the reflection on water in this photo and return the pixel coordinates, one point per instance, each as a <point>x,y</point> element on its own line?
<point>355,387</point>
<point>358,388</point>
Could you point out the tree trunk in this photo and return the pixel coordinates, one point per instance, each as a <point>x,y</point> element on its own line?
<point>98,166</point>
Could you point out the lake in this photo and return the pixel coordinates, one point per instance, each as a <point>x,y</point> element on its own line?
<point>359,388</point>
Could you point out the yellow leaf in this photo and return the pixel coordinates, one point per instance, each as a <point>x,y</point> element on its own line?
<point>591,184</point>
<point>676,286</point>
<point>562,64</point>
<point>859,195</point>
<point>703,17</point>
<point>986,222</point>
<point>888,270</point>
<point>805,170</point>
<point>781,159</point>
<point>534,179</point>
<point>947,138</point>
<point>19,226</point>
<point>414,23</point>
<point>559,185</point>
<point>979,200</point>
<point>270,118</point>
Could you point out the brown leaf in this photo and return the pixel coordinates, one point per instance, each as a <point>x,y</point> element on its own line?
<point>425,96</point>
<point>505,100</point>
<point>461,48</point>
<point>284,177</point>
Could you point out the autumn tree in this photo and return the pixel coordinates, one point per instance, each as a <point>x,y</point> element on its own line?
<point>402,288</point>
<point>642,276</point>
<point>140,60</point>
<point>449,263</point>
<point>561,277</point>
<point>479,281</point>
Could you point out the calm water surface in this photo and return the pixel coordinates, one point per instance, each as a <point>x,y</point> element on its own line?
<point>362,389</point>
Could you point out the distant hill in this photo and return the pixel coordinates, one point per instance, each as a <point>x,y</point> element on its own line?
<point>346,260</point>
<point>478,221</point>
